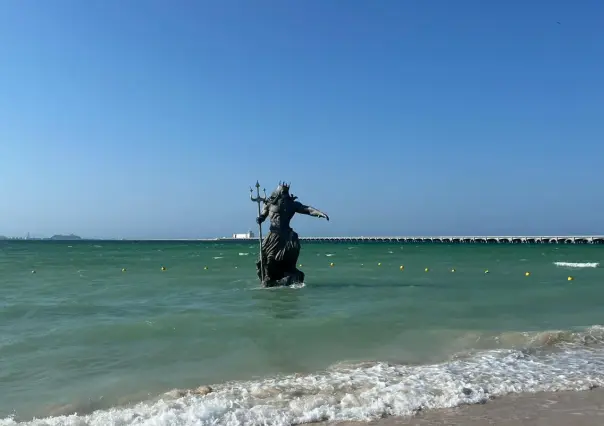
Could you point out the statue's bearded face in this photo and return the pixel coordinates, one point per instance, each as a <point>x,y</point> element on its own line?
<point>282,190</point>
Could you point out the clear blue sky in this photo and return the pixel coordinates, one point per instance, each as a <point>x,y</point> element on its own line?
<point>152,118</point>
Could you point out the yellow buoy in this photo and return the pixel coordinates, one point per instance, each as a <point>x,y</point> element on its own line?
<point>300,265</point>
<point>426,269</point>
<point>205,267</point>
<point>33,272</point>
<point>402,268</point>
<point>163,268</point>
<point>123,269</point>
<point>527,274</point>
<point>486,271</point>
<point>570,278</point>
<point>379,263</point>
<point>453,270</point>
<point>331,264</point>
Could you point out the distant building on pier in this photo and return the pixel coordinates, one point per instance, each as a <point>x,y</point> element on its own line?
<point>248,235</point>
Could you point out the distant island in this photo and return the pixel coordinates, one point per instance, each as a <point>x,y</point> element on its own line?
<point>69,237</point>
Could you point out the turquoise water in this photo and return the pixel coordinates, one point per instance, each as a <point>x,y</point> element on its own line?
<point>359,340</point>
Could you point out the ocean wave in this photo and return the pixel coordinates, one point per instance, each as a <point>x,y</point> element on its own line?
<point>536,340</point>
<point>578,264</point>
<point>372,389</point>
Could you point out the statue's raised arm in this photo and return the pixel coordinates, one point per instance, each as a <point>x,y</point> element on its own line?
<point>281,247</point>
<point>308,210</point>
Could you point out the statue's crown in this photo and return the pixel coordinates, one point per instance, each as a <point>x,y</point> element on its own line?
<point>284,185</point>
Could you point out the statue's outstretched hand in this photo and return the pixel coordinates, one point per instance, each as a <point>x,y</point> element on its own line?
<point>323,215</point>
<point>259,220</point>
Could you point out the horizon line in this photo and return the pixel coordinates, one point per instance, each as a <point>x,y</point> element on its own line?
<point>77,238</point>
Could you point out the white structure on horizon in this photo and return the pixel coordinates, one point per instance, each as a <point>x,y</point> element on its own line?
<point>246,236</point>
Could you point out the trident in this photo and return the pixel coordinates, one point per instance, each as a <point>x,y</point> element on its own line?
<point>258,199</point>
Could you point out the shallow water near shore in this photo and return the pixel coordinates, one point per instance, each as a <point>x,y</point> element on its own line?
<point>359,340</point>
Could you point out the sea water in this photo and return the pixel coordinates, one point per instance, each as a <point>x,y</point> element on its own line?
<point>100,333</point>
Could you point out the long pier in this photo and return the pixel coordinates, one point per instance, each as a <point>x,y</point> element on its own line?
<point>591,239</point>
<point>585,239</point>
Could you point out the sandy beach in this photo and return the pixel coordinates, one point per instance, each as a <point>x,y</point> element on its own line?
<point>542,409</point>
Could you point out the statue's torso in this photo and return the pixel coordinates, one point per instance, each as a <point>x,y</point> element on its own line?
<point>281,213</point>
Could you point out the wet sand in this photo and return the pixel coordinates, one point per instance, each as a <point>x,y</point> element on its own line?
<point>542,409</point>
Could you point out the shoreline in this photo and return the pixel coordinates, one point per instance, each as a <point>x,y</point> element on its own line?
<point>564,408</point>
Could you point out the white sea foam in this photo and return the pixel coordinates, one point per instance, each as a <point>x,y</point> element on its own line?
<point>218,257</point>
<point>281,287</point>
<point>243,254</point>
<point>370,390</point>
<point>298,285</point>
<point>577,264</point>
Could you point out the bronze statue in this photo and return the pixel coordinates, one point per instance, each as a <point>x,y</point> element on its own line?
<point>280,249</point>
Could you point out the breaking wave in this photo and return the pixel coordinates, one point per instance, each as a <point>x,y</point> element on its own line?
<point>530,362</point>
<point>577,264</point>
